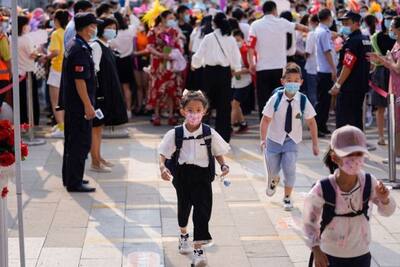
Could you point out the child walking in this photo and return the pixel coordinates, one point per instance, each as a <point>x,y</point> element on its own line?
<point>341,203</point>
<point>193,146</point>
<point>281,131</point>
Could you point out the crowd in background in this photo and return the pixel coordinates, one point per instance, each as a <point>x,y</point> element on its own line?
<point>234,51</point>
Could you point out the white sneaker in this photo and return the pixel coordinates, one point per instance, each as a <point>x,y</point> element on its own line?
<point>272,184</point>
<point>287,204</point>
<point>184,244</point>
<point>57,134</point>
<point>100,169</point>
<point>199,258</point>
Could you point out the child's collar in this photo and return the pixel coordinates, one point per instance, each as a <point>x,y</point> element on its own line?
<point>196,132</point>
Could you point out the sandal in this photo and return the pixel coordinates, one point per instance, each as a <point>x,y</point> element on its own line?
<point>382,142</point>
<point>156,121</point>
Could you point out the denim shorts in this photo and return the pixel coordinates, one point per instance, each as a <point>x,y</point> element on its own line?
<point>282,157</point>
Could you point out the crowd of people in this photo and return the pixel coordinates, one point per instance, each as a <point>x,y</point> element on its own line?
<point>102,63</point>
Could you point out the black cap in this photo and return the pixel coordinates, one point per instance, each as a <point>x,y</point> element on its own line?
<point>389,14</point>
<point>355,17</point>
<point>84,19</point>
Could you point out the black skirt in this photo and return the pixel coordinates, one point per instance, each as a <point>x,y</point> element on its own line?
<point>125,69</point>
<point>381,79</point>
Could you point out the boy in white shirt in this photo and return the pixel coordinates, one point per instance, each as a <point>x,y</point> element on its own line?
<point>281,130</point>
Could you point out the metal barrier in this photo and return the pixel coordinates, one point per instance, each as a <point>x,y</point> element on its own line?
<point>392,181</point>
<point>31,141</point>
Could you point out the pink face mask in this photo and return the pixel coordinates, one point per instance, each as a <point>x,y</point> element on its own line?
<point>352,165</point>
<point>194,119</point>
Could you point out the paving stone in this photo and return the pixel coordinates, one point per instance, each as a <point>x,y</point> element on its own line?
<point>100,263</point>
<point>136,217</point>
<point>227,256</point>
<point>59,257</point>
<point>58,238</point>
<point>263,249</point>
<point>252,221</point>
<point>271,261</point>
<point>33,246</point>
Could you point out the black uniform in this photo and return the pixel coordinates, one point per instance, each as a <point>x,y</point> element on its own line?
<point>349,105</point>
<point>78,64</point>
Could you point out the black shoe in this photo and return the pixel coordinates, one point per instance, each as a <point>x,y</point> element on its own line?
<point>81,189</point>
<point>321,134</point>
<point>85,182</point>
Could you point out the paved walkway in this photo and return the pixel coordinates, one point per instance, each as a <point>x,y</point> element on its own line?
<point>134,211</point>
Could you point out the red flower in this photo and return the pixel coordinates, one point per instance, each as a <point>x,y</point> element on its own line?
<point>4,192</point>
<point>6,124</point>
<point>25,127</point>
<point>24,150</point>
<point>7,159</point>
<point>10,139</point>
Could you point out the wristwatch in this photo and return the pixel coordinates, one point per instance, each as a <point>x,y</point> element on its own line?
<point>338,85</point>
<point>224,166</point>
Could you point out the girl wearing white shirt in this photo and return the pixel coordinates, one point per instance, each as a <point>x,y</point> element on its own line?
<point>26,64</point>
<point>108,93</point>
<point>343,238</point>
<point>194,174</point>
<point>219,55</point>
<point>123,45</point>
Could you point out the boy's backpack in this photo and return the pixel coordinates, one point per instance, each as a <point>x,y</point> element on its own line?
<point>172,164</point>
<point>279,91</point>
<point>328,211</point>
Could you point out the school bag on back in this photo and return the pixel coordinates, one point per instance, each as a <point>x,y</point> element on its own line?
<point>172,164</point>
<point>328,211</point>
<point>280,91</point>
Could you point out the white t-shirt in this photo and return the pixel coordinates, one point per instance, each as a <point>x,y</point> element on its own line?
<point>195,39</point>
<point>245,28</point>
<point>311,63</point>
<point>25,50</point>
<point>123,43</point>
<point>270,33</point>
<point>224,54</point>
<point>193,151</point>
<point>276,130</point>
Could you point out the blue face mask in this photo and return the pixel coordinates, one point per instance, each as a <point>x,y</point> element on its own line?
<point>388,22</point>
<point>393,35</point>
<point>51,24</point>
<point>172,23</point>
<point>110,34</point>
<point>292,88</point>
<point>345,30</point>
<point>187,18</point>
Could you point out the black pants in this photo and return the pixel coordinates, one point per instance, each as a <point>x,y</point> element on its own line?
<point>361,261</point>
<point>267,82</point>
<point>217,87</point>
<point>24,116</point>
<point>78,139</point>
<point>325,84</point>
<point>349,109</point>
<point>193,188</point>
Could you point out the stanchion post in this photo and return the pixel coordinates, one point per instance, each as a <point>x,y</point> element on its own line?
<point>32,141</point>
<point>4,233</point>
<point>392,142</point>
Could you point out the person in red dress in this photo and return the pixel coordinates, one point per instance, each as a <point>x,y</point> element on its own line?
<point>165,83</point>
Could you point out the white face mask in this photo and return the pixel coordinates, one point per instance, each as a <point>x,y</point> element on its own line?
<point>352,165</point>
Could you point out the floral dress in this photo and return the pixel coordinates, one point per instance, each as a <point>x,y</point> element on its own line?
<point>164,83</point>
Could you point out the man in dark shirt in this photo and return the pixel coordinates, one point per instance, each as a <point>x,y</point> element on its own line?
<point>352,84</point>
<point>78,84</point>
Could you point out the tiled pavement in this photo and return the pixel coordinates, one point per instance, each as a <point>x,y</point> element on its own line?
<point>134,211</point>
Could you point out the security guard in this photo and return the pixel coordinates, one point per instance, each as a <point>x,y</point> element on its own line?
<point>78,87</point>
<point>352,84</point>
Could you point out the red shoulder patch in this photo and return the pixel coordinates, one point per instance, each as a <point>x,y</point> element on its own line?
<point>349,59</point>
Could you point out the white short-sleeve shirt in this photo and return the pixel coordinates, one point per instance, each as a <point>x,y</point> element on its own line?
<point>270,32</point>
<point>193,151</point>
<point>276,130</point>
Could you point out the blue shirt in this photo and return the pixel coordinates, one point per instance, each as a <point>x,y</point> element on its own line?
<point>324,44</point>
<point>70,32</point>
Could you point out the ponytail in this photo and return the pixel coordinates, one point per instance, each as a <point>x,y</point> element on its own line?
<point>332,166</point>
<point>222,23</point>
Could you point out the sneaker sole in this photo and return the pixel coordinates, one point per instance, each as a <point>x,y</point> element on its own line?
<point>288,209</point>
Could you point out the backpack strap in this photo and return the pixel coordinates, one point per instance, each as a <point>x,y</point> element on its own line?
<point>279,94</point>
<point>329,195</point>
<point>366,195</point>
<point>178,141</point>
<point>207,139</point>
<point>303,102</point>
